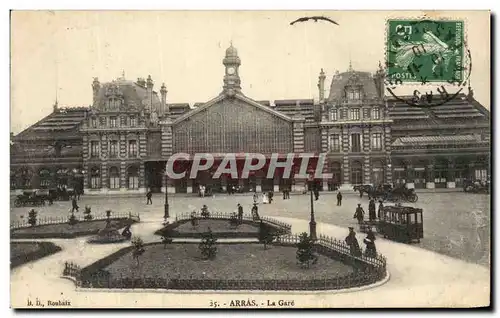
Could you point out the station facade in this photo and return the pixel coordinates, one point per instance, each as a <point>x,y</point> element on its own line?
<point>122,142</point>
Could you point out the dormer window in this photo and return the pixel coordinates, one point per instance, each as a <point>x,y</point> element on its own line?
<point>333,115</point>
<point>354,94</point>
<point>376,113</point>
<point>112,122</point>
<point>354,114</point>
<point>93,122</point>
<point>113,103</point>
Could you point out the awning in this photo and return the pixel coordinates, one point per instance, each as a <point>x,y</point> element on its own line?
<point>435,140</point>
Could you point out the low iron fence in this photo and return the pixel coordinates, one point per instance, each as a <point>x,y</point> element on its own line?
<point>46,220</point>
<point>226,216</point>
<point>372,270</point>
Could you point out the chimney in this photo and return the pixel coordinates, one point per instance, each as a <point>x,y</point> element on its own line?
<point>321,85</point>
<point>96,86</point>
<point>149,86</point>
<point>163,92</point>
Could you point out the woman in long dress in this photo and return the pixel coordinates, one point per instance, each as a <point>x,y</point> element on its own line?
<point>265,199</point>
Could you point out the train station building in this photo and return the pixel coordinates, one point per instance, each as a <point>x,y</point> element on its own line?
<point>121,143</point>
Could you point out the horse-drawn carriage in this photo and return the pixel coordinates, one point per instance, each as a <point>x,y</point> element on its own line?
<point>386,192</point>
<point>477,186</point>
<point>401,223</point>
<point>30,198</point>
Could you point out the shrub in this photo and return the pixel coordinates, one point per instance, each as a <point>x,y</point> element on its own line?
<point>32,217</point>
<point>233,221</point>
<point>138,244</point>
<point>86,214</point>
<point>72,219</point>
<point>166,237</point>
<point>266,237</point>
<point>305,251</point>
<point>208,246</point>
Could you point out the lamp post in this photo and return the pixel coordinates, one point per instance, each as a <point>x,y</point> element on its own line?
<point>166,214</point>
<point>312,223</point>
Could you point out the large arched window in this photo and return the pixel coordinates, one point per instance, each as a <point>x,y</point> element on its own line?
<point>356,172</point>
<point>336,173</point>
<point>95,178</point>
<point>114,178</point>
<point>62,175</point>
<point>13,180</point>
<point>133,177</point>
<point>44,175</point>
<point>24,176</point>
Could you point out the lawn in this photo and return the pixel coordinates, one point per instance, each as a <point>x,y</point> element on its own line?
<point>23,252</point>
<point>65,230</point>
<point>233,261</point>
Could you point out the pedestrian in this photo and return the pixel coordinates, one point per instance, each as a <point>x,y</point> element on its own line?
<point>74,205</point>
<point>270,195</point>
<point>371,250</point>
<point>316,194</point>
<point>371,210</point>
<point>339,199</point>
<point>359,214</point>
<point>380,209</point>
<point>288,193</point>
<point>352,242</point>
<point>148,196</point>
<point>284,194</point>
<point>255,198</point>
<point>255,212</point>
<point>240,213</point>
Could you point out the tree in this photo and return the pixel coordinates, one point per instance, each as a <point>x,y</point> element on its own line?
<point>72,219</point>
<point>305,251</point>
<point>265,235</point>
<point>166,237</point>
<point>233,220</point>
<point>208,246</point>
<point>86,214</point>
<point>138,244</point>
<point>32,217</point>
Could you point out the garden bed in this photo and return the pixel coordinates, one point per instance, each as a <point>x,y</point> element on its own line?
<point>219,227</point>
<point>233,261</point>
<point>24,252</point>
<point>65,230</point>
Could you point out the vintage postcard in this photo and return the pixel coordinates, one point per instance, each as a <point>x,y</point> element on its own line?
<point>250,159</point>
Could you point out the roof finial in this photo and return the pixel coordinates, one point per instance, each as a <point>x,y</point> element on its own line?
<point>350,66</point>
<point>123,74</point>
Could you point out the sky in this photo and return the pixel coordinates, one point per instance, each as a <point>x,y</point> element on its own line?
<point>56,54</point>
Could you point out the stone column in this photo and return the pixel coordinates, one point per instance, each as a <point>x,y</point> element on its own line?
<point>167,149</point>
<point>346,171</point>
<point>86,175</point>
<point>388,162</point>
<point>298,141</point>
<point>123,176</point>
<point>430,176</point>
<point>367,170</point>
<point>142,186</point>
<point>104,177</point>
<point>450,178</point>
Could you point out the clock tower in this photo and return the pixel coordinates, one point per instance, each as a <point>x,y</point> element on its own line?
<point>232,82</point>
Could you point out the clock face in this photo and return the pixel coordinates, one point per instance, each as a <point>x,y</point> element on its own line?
<point>231,70</point>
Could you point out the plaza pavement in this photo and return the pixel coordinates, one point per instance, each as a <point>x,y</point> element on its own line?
<point>449,226</point>
<point>417,278</point>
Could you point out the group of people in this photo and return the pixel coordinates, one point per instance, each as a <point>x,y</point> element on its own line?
<point>359,214</point>
<point>355,249</point>
<point>267,197</point>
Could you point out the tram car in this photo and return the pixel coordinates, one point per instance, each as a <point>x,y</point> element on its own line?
<point>401,223</point>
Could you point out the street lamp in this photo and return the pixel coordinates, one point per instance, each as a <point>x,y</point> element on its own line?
<point>166,214</point>
<point>312,223</point>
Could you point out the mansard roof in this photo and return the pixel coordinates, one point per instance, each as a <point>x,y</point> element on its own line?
<point>355,78</point>
<point>461,110</point>
<point>61,124</point>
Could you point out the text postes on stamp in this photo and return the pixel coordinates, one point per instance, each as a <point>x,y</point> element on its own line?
<point>425,51</point>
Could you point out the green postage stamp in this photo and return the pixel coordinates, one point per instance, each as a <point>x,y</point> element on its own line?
<point>425,51</point>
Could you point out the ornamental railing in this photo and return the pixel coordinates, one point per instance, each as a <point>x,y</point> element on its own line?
<point>65,219</point>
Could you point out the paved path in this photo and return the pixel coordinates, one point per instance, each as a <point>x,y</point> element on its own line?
<point>418,278</point>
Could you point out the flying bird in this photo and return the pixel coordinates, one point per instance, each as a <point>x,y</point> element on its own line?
<point>316,18</point>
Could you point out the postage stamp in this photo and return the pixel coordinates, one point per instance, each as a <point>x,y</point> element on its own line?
<point>425,51</point>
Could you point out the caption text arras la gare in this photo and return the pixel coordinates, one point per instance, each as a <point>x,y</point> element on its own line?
<point>252,162</point>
